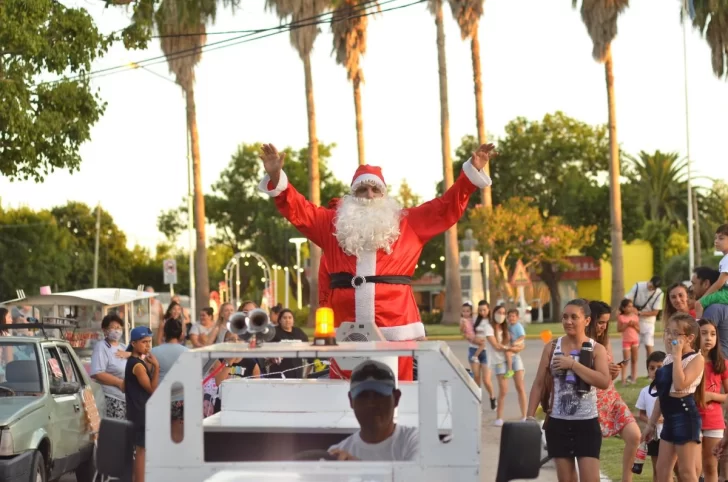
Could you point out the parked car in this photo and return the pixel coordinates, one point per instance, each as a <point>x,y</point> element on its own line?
<point>44,431</point>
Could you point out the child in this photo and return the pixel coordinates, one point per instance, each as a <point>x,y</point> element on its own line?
<point>716,377</point>
<point>466,314</point>
<point>628,323</point>
<point>679,386</point>
<point>140,379</point>
<point>518,337</point>
<point>646,404</point>
<point>717,294</point>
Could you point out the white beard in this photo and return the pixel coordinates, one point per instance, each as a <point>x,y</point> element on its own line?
<point>367,224</point>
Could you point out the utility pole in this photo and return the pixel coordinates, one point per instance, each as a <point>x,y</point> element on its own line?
<point>96,246</point>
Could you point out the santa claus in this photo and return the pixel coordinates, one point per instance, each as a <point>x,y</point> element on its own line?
<point>372,244</point>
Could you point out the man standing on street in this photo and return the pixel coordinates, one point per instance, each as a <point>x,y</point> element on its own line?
<point>647,297</point>
<point>371,244</point>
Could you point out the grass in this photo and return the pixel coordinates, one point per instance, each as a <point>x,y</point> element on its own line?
<point>612,448</point>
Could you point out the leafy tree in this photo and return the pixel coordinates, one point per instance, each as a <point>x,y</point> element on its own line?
<point>406,197</point>
<point>517,230</point>
<point>43,124</point>
<point>114,257</point>
<point>35,252</point>
<point>244,218</point>
<point>711,18</point>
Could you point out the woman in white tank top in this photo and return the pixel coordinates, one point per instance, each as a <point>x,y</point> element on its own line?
<point>572,430</point>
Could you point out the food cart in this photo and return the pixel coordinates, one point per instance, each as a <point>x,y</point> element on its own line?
<point>86,309</point>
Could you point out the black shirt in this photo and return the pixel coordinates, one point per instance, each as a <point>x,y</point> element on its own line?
<point>293,364</point>
<point>136,395</point>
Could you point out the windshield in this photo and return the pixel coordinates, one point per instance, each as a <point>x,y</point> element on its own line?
<point>19,373</point>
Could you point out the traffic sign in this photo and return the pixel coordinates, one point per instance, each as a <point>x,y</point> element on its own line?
<point>520,275</point>
<point>170,271</point>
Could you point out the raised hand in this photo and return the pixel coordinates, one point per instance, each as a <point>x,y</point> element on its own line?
<point>272,161</point>
<point>483,155</point>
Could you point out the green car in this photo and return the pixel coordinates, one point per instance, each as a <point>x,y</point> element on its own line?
<point>44,431</point>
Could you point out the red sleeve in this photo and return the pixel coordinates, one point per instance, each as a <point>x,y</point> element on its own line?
<point>437,216</point>
<point>324,280</point>
<point>314,222</point>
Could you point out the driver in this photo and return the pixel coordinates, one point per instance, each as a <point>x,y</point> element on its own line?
<point>373,396</point>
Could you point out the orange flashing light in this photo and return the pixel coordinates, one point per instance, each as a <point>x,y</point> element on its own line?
<point>325,333</point>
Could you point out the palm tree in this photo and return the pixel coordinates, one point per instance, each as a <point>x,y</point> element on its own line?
<point>453,296</point>
<point>600,18</point>
<point>182,29</point>
<point>349,27</point>
<point>468,13</point>
<point>305,13</point>
<point>711,18</point>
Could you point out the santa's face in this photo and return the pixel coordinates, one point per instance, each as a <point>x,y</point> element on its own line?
<point>367,223</point>
<point>368,191</point>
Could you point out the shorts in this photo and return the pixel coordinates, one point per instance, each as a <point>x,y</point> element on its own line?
<point>569,439</point>
<point>115,408</point>
<point>653,448</point>
<point>482,358</point>
<point>682,420</point>
<point>627,344</point>
<point>713,433</point>
<point>720,297</point>
<point>647,334</point>
<point>178,410</point>
<point>139,435</point>
<point>517,363</point>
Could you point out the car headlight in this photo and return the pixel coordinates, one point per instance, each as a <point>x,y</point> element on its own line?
<point>6,443</point>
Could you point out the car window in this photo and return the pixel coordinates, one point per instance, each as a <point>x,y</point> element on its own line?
<point>19,369</point>
<point>69,367</point>
<point>54,367</point>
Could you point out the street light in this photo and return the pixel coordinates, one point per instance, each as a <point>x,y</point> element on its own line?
<point>691,214</point>
<point>298,242</point>
<point>190,215</point>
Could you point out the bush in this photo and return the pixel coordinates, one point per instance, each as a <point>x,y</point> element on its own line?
<point>677,268</point>
<point>300,317</point>
<point>431,317</point>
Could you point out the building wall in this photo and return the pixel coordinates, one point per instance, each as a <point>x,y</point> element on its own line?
<point>638,266</point>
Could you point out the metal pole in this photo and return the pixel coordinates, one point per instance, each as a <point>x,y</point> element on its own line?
<point>298,274</point>
<point>191,231</point>
<point>96,246</point>
<point>285,269</point>
<point>237,282</point>
<point>691,227</point>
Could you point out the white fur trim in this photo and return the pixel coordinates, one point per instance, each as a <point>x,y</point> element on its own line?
<point>366,265</point>
<point>368,179</point>
<point>478,178</point>
<point>282,185</point>
<point>412,331</point>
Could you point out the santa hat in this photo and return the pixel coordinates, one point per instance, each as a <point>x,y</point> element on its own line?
<point>367,174</point>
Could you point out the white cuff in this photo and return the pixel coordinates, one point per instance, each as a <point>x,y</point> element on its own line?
<point>282,185</point>
<point>478,178</point>
<point>412,331</point>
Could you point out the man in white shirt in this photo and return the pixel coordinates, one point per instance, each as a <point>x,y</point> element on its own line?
<point>373,396</point>
<point>647,297</point>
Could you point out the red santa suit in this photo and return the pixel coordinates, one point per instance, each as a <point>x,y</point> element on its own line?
<point>391,306</point>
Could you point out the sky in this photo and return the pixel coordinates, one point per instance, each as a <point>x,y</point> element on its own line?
<point>536,59</point>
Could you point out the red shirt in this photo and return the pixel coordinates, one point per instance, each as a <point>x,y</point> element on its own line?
<point>712,414</point>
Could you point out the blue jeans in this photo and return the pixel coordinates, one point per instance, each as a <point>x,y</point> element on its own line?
<point>482,358</point>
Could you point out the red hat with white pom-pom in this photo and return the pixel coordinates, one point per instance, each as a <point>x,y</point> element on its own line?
<point>367,174</point>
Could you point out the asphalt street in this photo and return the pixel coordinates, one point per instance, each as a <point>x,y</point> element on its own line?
<point>490,433</point>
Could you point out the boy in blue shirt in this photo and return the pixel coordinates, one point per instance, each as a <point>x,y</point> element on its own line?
<point>518,338</point>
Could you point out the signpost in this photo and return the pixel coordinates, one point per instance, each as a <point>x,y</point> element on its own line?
<point>170,274</point>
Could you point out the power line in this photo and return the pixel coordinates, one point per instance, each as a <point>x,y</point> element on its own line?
<point>248,37</point>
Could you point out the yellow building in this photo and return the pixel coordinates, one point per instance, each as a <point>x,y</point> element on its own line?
<point>638,266</point>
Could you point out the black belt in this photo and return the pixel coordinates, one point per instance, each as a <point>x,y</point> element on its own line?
<point>347,280</point>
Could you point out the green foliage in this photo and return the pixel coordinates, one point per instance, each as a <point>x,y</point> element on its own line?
<point>431,317</point>
<point>677,268</point>
<point>43,124</point>
<point>35,250</point>
<point>300,317</point>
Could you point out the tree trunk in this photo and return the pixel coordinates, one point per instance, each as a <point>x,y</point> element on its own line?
<point>202,280</point>
<point>698,244</point>
<point>486,194</point>
<point>356,83</point>
<point>551,280</point>
<point>314,182</point>
<point>453,295</point>
<point>615,192</point>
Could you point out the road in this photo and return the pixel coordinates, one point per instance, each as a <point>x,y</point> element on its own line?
<point>491,434</point>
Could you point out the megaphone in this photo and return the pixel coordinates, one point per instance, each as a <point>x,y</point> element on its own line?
<point>252,324</point>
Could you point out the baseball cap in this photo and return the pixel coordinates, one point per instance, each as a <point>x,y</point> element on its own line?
<point>372,375</point>
<point>137,334</point>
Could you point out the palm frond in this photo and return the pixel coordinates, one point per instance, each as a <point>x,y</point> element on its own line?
<point>711,19</point>
<point>600,18</point>
<point>303,12</point>
<point>174,18</point>
<point>467,13</point>
<point>350,37</point>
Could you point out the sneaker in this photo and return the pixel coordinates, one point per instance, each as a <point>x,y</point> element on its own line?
<point>492,403</point>
<point>509,374</point>
<point>498,422</point>
<point>474,359</point>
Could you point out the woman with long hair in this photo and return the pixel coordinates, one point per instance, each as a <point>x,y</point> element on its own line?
<point>572,429</point>
<point>615,417</point>
<point>676,301</point>
<point>473,331</point>
<point>174,312</point>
